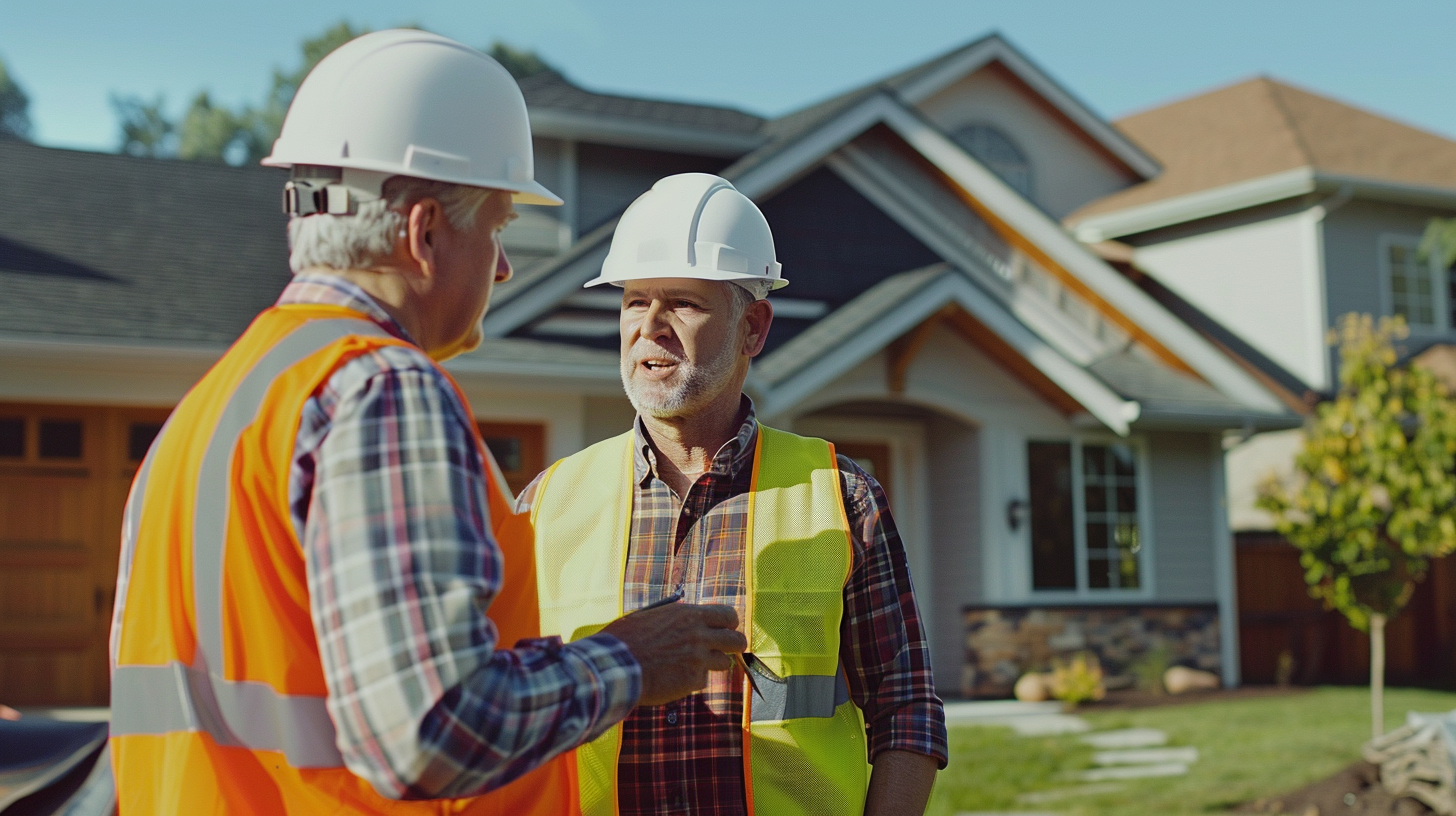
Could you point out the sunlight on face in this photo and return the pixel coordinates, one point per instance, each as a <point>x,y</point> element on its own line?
<point>679,345</point>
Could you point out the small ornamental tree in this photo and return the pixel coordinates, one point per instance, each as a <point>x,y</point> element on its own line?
<point>1373,498</point>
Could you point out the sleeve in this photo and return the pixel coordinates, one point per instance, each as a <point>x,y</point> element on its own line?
<point>401,568</point>
<point>882,645</point>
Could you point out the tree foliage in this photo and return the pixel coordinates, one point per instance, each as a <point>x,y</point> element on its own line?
<point>1374,498</point>
<point>14,107</point>
<point>211,132</point>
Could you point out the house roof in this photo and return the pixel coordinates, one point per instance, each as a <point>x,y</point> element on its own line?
<point>1262,127</point>
<point>96,245</point>
<point>550,90</point>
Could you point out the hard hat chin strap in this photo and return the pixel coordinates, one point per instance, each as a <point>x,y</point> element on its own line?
<point>332,190</point>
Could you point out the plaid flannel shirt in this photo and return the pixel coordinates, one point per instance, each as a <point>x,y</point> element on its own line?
<point>388,496</point>
<point>686,756</point>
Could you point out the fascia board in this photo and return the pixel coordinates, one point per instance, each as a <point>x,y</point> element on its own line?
<point>1109,408</point>
<point>1036,227</point>
<point>1391,191</point>
<point>1252,193</point>
<point>799,156</point>
<point>546,293</point>
<point>889,194</point>
<point>615,130</point>
<point>99,371</point>
<point>1202,204</point>
<point>104,351</point>
<point>998,50</point>
<point>755,183</point>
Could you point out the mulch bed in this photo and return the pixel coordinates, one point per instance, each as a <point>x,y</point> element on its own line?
<point>1354,791</point>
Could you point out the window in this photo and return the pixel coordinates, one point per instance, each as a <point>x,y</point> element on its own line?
<point>998,153</point>
<point>1413,287</point>
<point>519,448</point>
<point>12,437</point>
<point>1086,531</point>
<point>60,439</point>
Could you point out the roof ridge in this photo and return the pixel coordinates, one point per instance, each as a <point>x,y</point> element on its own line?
<point>1273,89</point>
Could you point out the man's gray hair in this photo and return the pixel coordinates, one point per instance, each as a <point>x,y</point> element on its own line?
<point>362,240</point>
<point>744,293</point>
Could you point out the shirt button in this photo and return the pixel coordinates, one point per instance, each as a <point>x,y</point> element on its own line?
<point>672,718</point>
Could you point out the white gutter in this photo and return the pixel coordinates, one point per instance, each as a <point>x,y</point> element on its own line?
<point>1101,402</point>
<point>1051,238</point>
<point>1252,193</point>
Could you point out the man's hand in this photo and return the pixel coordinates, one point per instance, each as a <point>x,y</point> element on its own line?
<point>677,645</point>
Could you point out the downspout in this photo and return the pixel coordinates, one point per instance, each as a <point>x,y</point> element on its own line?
<point>1318,213</point>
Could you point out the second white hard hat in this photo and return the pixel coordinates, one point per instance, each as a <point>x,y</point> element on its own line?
<point>410,103</point>
<point>692,225</point>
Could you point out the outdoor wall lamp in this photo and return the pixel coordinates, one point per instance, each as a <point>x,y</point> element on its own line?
<point>1015,514</point>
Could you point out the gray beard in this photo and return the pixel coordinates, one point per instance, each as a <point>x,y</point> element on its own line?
<point>691,384</point>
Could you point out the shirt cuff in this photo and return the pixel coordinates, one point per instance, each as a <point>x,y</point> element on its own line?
<point>617,674</point>
<point>916,727</point>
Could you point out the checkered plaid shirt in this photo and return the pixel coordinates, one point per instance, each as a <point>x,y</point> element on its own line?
<point>686,757</point>
<point>388,495</point>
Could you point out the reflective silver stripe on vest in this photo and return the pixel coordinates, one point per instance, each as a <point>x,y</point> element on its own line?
<point>174,697</point>
<point>798,695</point>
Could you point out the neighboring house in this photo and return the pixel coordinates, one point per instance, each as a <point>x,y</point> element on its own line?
<point>1278,211</point>
<point>1048,431</point>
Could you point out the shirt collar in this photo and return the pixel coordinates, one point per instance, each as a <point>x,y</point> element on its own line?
<point>728,461</point>
<point>331,290</point>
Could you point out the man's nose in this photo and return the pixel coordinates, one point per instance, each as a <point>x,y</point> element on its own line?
<point>503,269</point>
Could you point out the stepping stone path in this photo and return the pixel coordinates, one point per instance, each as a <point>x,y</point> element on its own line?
<point>1123,754</point>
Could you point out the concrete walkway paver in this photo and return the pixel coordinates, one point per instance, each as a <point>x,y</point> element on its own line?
<point>1126,738</point>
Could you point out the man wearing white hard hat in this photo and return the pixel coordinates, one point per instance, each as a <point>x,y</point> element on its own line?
<point>319,565</point>
<point>831,710</point>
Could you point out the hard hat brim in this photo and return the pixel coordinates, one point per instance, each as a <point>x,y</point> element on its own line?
<point>529,192</point>
<point>687,272</point>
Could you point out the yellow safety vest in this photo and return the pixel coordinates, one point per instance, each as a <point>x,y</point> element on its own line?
<point>804,740</point>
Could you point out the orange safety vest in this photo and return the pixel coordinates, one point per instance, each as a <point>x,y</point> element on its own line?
<point>217,698</point>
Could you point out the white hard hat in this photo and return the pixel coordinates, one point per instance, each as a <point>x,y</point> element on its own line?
<point>693,225</point>
<point>410,103</point>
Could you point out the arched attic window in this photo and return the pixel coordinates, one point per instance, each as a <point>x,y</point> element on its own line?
<point>998,152</point>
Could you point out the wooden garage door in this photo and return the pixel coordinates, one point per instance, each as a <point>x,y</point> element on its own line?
<point>64,475</point>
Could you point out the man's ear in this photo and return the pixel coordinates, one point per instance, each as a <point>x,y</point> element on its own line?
<point>759,316</point>
<point>422,232</point>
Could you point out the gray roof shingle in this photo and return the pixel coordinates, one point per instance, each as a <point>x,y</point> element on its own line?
<point>550,90</point>
<point>101,246</point>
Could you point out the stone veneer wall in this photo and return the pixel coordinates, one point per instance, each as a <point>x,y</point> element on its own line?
<point>1004,642</point>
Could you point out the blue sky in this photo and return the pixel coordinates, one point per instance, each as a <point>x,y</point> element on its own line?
<point>766,56</point>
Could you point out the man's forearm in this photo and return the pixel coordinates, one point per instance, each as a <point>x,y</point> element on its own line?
<point>900,783</point>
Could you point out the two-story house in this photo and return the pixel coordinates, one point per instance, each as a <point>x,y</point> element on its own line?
<point>1279,210</point>
<point>1049,433</point>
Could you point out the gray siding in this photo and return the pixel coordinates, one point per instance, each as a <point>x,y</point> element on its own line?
<point>1352,255</point>
<point>609,178</point>
<point>953,462</point>
<point>1181,480</point>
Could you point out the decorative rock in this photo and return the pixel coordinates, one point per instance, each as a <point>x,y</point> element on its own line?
<point>1032,688</point>
<point>1126,738</point>
<point>1134,772</point>
<point>1181,679</point>
<point>1146,756</point>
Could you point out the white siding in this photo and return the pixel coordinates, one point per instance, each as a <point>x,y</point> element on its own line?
<point>1261,280</point>
<point>1184,524</point>
<point>1250,463</point>
<point>1068,170</point>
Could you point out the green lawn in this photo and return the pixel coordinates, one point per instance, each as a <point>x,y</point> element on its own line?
<point>1247,749</point>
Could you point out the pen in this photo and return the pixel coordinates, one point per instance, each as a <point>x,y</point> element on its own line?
<point>673,598</point>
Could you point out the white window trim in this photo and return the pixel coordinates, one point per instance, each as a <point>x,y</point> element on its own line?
<point>1439,300</point>
<point>1146,589</point>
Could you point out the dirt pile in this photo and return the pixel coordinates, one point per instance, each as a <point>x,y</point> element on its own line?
<point>1354,791</point>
